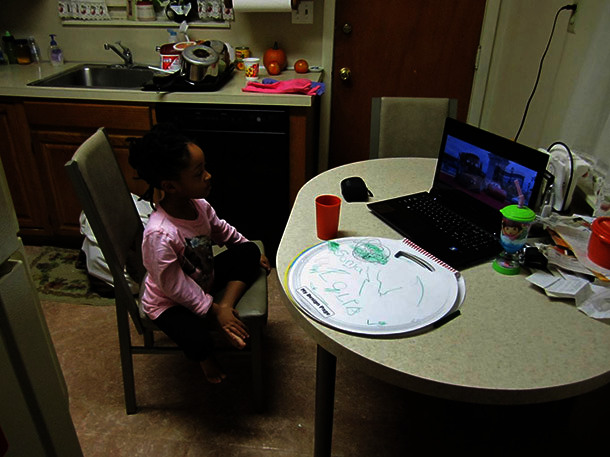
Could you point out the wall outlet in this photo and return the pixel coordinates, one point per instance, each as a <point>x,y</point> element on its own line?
<point>304,13</point>
<point>572,20</point>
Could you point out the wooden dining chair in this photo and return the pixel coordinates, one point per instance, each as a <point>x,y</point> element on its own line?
<point>114,220</point>
<point>408,127</point>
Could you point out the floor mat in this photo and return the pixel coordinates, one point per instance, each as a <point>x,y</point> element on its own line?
<point>58,277</point>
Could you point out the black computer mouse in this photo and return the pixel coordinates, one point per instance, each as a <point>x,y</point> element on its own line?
<point>354,189</point>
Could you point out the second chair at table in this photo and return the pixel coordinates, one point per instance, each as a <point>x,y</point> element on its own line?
<point>408,126</point>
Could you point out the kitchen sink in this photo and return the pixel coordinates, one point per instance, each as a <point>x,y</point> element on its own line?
<point>99,76</point>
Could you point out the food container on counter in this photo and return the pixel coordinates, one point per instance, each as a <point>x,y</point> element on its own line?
<point>170,54</point>
<point>599,242</point>
<point>241,53</point>
<point>169,57</point>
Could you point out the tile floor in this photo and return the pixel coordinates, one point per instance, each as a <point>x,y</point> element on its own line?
<point>181,415</point>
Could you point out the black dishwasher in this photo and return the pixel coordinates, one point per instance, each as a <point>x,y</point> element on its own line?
<point>246,150</point>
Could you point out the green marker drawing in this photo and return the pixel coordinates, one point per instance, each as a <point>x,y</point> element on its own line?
<point>333,246</point>
<point>379,291</point>
<point>372,251</point>
<point>368,322</point>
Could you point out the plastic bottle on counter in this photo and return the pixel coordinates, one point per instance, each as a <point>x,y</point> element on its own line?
<point>34,49</point>
<point>56,55</point>
<point>22,52</point>
<point>173,36</point>
<point>8,41</point>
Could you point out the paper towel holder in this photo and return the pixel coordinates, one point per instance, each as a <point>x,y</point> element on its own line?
<point>294,4</point>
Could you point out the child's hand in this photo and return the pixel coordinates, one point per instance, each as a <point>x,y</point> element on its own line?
<point>265,263</point>
<point>229,322</point>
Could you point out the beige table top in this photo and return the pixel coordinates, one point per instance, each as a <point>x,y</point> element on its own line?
<point>510,345</point>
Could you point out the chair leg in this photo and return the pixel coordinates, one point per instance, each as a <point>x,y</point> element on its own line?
<point>149,338</point>
<point>258,391</point>
<point>129,387</point>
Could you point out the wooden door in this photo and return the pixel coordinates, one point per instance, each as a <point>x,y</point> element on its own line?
<point>405,48</point>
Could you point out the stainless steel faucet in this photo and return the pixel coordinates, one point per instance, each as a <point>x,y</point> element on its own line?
<point>124,53</point>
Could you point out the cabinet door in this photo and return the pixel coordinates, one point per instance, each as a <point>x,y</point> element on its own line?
<point>120,146</point>
<point>57,130</point>
<point>52,150</point>
<point>21,172</point>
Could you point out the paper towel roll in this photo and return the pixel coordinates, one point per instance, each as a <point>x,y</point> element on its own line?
<point>264,6</point>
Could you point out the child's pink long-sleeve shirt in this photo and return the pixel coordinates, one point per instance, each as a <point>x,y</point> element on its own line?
<point>164,251</point>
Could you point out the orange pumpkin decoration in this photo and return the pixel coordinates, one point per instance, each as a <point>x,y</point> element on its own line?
<point>275,54</point>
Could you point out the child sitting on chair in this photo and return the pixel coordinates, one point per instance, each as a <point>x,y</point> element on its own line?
<point>183,275</point>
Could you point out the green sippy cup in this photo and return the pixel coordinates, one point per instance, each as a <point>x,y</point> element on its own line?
<point>516,222</point>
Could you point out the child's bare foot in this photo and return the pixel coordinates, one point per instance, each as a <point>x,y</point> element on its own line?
<point>235,340</point>
<point>212,371</point>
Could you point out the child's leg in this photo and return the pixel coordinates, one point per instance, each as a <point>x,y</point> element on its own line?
<point>191,334</point>
<point>212,370</point>
<point>235,269</point>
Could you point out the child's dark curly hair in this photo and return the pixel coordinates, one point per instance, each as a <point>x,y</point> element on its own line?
<point>159,155</point>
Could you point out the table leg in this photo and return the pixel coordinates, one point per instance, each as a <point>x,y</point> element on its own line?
<point>326,365</point>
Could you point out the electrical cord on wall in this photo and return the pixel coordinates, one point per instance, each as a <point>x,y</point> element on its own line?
<point>570,156</point>
<point>527,106</point>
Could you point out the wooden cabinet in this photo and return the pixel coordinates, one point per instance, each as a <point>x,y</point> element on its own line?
<point>21,171</point>
<point>40,135</point>
<point>45,136</point>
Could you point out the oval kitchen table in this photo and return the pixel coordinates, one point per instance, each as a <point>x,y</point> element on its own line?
<point>510,345</point>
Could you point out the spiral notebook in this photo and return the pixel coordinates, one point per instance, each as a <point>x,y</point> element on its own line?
<point>374,286</point>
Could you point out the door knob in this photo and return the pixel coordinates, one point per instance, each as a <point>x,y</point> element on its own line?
<point>345,74</point>
<point>347,28</point>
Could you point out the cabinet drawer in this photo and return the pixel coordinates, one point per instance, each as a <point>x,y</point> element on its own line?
<point>86,115</point>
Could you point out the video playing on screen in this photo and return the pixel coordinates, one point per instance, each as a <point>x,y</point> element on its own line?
<point>485,176</point>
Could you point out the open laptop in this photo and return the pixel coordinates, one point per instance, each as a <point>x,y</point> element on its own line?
<point>458,220</point>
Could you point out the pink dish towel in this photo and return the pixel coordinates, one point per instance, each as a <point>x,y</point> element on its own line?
<point>291,86</point>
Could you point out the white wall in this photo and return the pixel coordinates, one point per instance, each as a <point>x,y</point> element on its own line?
<point>523,29</point>
<point>85,43</point>
<point>561,100</point>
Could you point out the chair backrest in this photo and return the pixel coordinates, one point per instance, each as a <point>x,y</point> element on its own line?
<point>111,212</point>
<point>408,127</point>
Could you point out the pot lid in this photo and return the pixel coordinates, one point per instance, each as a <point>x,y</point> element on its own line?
<point>200,55</point>
<point>523,214</point>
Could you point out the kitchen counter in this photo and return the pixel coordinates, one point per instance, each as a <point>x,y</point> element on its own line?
<point>14,80</point>
<point>45,125</point>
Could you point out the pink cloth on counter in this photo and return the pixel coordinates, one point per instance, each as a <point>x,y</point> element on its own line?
<point>291,86</point>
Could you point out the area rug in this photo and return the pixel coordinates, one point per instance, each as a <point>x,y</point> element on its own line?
<point>60,276</point>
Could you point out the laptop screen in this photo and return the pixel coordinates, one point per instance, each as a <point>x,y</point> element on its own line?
<point>488,168</point>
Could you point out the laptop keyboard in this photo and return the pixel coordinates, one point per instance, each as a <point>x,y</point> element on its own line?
<point>463,233</point>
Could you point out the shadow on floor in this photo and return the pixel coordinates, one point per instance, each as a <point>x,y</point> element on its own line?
<point>182,415</point>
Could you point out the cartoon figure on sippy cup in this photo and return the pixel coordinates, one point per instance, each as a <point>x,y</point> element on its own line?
<point>513,235</point>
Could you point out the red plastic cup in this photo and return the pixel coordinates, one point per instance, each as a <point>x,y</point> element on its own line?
<point>328,208</point>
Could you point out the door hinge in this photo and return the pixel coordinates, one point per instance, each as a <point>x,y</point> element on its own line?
<point>477,58</point>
